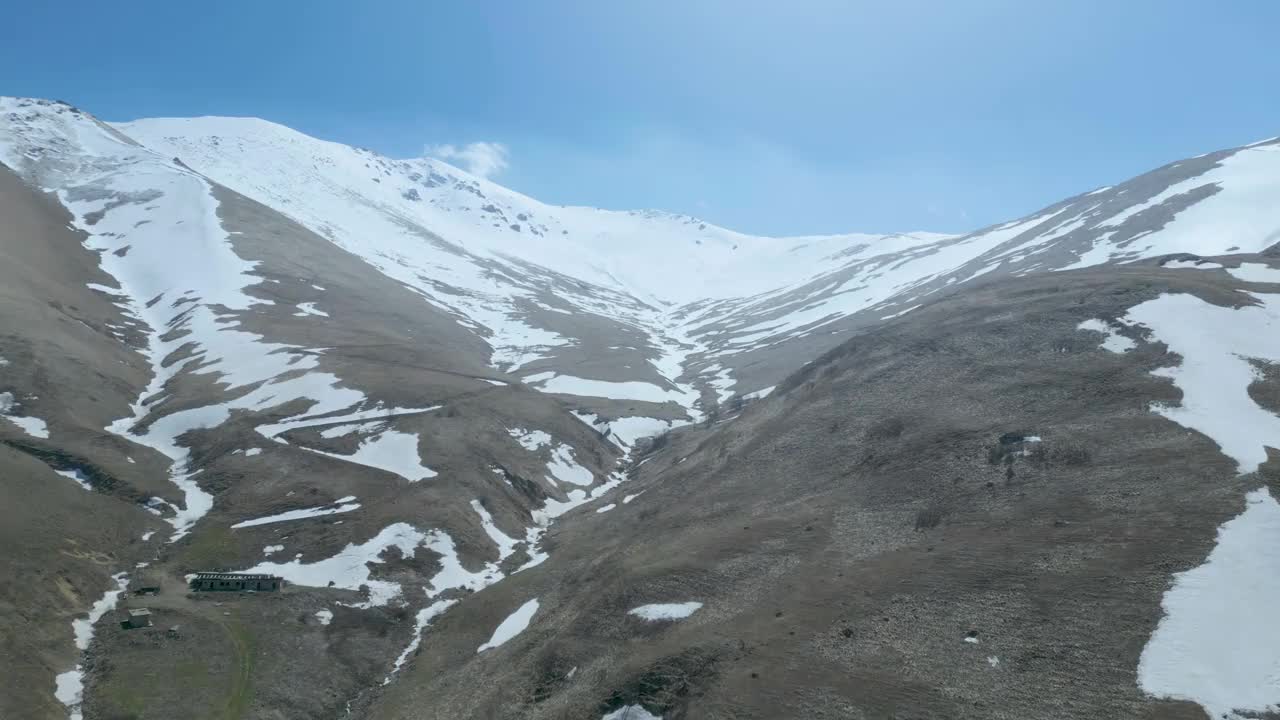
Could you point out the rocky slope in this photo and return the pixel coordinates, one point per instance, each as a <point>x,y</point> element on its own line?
<point>227,345</point>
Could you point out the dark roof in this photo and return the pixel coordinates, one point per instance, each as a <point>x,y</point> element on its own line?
<point>233,576</point>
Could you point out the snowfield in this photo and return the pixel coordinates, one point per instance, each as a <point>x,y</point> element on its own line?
<point>1218,644</point>
<point>1219,347</point>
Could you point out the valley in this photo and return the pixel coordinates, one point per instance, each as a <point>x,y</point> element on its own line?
<point>517,460</point>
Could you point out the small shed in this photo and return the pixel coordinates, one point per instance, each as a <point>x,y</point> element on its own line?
<point>138,618</point>
<point>235,582</point>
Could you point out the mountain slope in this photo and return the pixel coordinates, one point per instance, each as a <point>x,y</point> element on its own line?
<point>721,301</point>
<point>973,511</point>
<point>397,386</point>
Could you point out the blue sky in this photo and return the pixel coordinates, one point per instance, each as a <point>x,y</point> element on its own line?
<point>793,117</point>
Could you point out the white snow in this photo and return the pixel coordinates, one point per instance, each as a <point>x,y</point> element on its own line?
<point>69,685</point>
<point>268,550</point>
<point>390,450</point>
<point>971,640</point>
<point>666,611</point>
<point>349,569</point>
<point>344,505</point>
<point>721,380</point>
<point>630,712</point>
<point>1191,265</point>
<point>3,361</point>
<point>419,220</point>
<point>148,535</point>
<point>1243,214</point>
<point>631,497</point>
<point>1113,340</point>
<point>627,390</point>
<point>626,431</point>
<point>993,661</point>
<point>900,313</point>
<point>564,468</point>
<point>1214,376</point>
<point>421,621</point>
<point>515,624</point>
<point>506,544</point>
<point>324,616</point>
<point>252,451</point>
<point>78,477</point>
<point>309,308</point>
<point>1218,643</point>
<point>34,427</point>
<point>760,394</point>
<point>606,508</point>
<point>184,279</point>
<point>530,440</point>
<point>1256,272</point>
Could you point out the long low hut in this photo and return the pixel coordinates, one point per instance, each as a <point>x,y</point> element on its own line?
<point>235,582</point>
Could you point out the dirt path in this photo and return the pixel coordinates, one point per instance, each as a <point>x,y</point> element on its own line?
<point>242,673</point>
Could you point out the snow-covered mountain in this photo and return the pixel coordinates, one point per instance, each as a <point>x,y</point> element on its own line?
<point>708,301</point>
<point>385,379</point>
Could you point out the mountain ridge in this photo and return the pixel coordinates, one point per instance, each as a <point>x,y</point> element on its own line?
<point>265,351</point>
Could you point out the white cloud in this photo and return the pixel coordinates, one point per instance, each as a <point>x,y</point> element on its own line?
<point>484,159</point>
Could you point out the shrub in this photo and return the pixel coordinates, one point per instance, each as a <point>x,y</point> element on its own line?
<point>886,429</point>
<point>930,517</point>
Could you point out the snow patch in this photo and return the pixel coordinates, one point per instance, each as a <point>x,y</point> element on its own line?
<point>515,624</point>
<point>390,450</point>
<point>69,686</point>
<point>343,505</point>
<point>1112,341</point>
<point>349,569</point>
<point>1216,344</point>
<point>666,611</point>
<point>421,621</point>
<point>80,478</point>
<point>309,308</point>
<point>630,712</point>
<point>564,468</point>
<point>506,544</point>
<point>1218,643</point>
<point>34,427</point>
<point>549,382</point>
<point>1256,273</point>
<point>1191,265</point>
<point>530,440</point>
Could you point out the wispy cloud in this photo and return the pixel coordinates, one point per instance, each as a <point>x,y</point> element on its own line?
<point>485,159</point>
